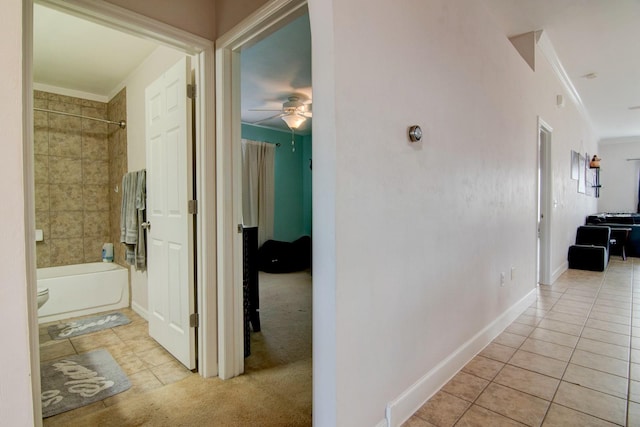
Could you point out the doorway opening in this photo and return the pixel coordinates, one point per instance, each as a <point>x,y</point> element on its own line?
<point>276,140</point>
<point>167,43</point>
<point>230,129</point>
<point>543,240</point>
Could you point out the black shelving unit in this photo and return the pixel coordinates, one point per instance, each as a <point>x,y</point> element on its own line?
<point>596,185</point>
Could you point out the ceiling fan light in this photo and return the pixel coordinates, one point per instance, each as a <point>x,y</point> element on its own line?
<point>293,120</point>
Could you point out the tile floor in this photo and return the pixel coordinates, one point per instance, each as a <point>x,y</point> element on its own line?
<point>146,363</point>
<point>572,359</point>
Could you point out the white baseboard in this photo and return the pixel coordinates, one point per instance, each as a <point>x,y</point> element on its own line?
<point>401,409</point>
<point>558,272</point>
<point>140,310</point>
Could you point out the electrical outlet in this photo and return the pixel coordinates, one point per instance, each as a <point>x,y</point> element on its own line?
<point>513,273</point>
<point>502,277</point>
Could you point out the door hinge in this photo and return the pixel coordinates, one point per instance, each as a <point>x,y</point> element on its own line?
<point>191,91</point>
<point>194,320</point>
<point>240,228</point>
<point>192,207</point>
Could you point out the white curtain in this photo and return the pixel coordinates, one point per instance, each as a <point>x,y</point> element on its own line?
<point>258,187</point>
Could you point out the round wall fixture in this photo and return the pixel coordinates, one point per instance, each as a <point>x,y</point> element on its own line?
<point>415,133</point>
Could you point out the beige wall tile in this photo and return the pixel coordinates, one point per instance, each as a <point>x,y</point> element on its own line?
<point>96,224</point>
<point>66,251</point>
<point>42,196</point>
<point>95,146</point>
<point>66,197</point>
<point>40,119</point>
<point>66,143</point>
<point>95,172</point>
<point>42,223</point>
<point>43,258</point>
<point>93,248</point>
<point>66,224</point>
<point>41,141</point>
<point>96,198</point>
<point>41,169</point>
<point>64,170</point>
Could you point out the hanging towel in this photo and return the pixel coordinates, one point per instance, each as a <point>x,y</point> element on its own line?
<point>132,215</point>
<point>141,203</point>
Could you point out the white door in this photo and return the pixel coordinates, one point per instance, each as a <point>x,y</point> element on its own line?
<point>170,234</point>
<point>544,204</point>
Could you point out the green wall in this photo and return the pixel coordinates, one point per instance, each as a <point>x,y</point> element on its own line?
<point>292,216</point>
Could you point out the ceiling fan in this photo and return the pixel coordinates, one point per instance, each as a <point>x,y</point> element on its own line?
<point>293,112</point>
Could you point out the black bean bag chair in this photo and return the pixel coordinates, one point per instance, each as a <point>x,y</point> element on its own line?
<point>285,257</point>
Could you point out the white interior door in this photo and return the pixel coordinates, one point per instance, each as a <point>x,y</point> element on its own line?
<point>544,204</point>
<point>170,235</point>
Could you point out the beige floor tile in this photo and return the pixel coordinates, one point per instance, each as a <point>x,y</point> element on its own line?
<point>171,372</point>
<point>527,381</point>
<point>609,326</point>
<point>519,329</point>
<point>634,391</point>
<point>569,309</point>
<point>416,421</point>
<point>535,312</point>
<point>140,382</point>
<point>477,416</point>
<point>554,325</point>
<point>537,363</point>
<point>605,349</point>
<point>635,355</point>
<point>568,318</point>
<point>443,409</point>
<point>634,371</point>
<point>606,336</point>
<point>635,343</point>
<point>155,356</point>
<point>584,306</point>
<point>610,318</point>
<point>610,303</point>
<point>634,414</point>
<point>514,404</point>
<point>612,310</point>
<point>600,363</point>
<point>528,320</point>
<point>635,331</point>
<point>596,380</point>
<point>55,349</point>
<point>548,349</point>
<point>510,340</point>
<point>560,416</point>
<point>585,299</point>
<point>130,363</point>
<point>483,367</point>
<point>141,344</point>
<point>592,402</point>
<point>554,337</point>
<point>132,330</point>
<point>498,352</point>
<point>105,338</point>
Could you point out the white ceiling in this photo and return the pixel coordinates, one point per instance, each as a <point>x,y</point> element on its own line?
<point>75,54</point>
<point>589,36</point>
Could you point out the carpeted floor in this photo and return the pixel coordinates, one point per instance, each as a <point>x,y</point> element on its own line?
<point>275,391</point>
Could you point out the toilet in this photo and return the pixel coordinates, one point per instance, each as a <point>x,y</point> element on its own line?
<point>43,296</point>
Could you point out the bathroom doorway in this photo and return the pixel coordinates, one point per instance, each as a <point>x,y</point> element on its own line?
<point>178,43</point>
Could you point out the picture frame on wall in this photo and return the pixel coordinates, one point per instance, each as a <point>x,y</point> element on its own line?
<point>582,174</point>
<point>575,165</point>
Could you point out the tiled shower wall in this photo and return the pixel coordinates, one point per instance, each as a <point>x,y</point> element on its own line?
<point>72,184</point>
<point>116,111</point>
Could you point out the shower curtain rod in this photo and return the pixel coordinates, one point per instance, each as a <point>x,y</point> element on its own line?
<point>122,124</point>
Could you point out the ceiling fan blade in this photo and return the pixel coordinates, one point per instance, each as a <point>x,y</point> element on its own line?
<point>268,118</point>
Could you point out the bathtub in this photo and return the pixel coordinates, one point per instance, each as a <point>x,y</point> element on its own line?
<point>78,290</point>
